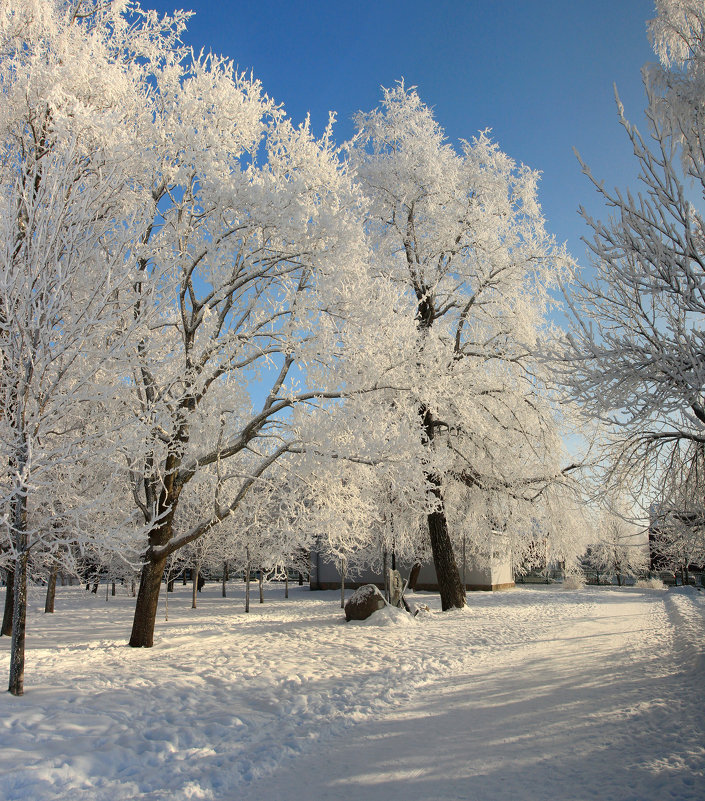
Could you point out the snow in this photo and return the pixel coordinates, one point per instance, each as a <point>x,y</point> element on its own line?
<point>534,693</point>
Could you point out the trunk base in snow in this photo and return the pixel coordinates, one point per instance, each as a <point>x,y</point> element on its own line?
<point>146,608</point>
<point>450,585</point>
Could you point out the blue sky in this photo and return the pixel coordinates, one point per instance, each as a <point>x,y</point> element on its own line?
<point>540,73</point>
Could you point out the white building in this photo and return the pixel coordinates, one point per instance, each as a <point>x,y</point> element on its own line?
<point>486,575</point>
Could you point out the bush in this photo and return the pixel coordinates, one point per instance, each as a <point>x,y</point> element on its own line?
<point>651,584</point>
<point>574,581</point>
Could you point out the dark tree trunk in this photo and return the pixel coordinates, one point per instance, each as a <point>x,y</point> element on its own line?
<point>9,603</point>
<point>225,577</point>
<point>248,567</point>
<point>465,563</point>
<point>170,585</point>
<point>20,540</point>
<point>385,575</point>
<point>112,589</point>
<point>301,579</point>
<point>414,575</point>
<point>261,587</point>
<point>146,607</point>
<point>286,583</point>
<point>450,585</point>
<point>51,589</point>
<point>194,586</point>
<point>342,583</point>
<point>19,624</point>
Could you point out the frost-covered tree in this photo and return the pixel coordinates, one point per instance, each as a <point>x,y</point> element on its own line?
<point>677,517</point>
<point>636,354</point>
<point>246,255</point>
<point>620,548</point>
<point>459,231</point>
<point>68,123</point>
<point>259,269</point>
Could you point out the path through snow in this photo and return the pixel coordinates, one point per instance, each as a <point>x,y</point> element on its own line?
<point>609,707</point>
<point>534,693</point>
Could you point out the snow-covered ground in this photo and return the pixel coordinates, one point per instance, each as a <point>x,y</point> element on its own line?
<point>534,693</point>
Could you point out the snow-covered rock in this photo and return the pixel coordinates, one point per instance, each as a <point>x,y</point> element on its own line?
<point>363,602</point>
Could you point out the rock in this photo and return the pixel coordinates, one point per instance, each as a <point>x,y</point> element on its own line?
<point>363,602</point>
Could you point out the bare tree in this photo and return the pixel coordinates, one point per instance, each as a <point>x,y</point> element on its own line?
<point>635,357</point>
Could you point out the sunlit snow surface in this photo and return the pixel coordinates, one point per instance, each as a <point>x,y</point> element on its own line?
<point>529,694</point>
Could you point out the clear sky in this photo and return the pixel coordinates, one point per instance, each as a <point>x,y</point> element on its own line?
<point>540,73</point>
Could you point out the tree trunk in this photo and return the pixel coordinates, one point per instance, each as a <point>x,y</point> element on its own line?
<point>170,585</point>
<point>301,579</point>
<point>414,575</point>
<point>465,564</point>
<point>248,567</point>
<point>261,588</point>
<point>225,577</point>
<point>112,589</point>
<point>146,607</point>
<point>286,583</point>
<point>51,589</point>
<point>385,575</point>
<point>342,583</point>
<point>9,603</point>
<point>20,540</point>
<point>450,585</point>
<point>194,585</point>
<point>19,624</point>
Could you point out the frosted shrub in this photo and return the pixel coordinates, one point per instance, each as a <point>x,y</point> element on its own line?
<point>574,581</point>
<point>650,584</point>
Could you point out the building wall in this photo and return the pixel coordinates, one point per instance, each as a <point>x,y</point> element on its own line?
<point>325,575</point>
